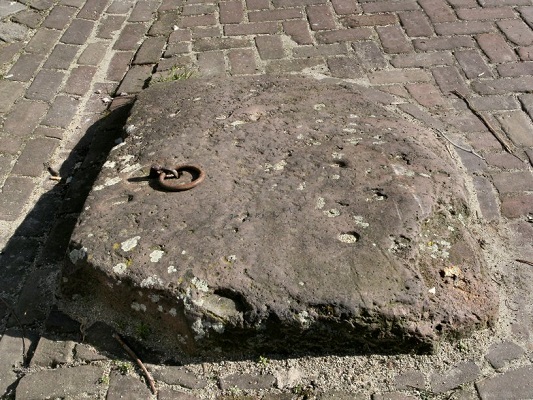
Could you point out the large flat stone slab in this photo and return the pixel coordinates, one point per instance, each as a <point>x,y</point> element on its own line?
<point>325,223</point>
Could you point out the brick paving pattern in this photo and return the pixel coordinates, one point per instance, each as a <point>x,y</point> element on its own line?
<point>63,62</point>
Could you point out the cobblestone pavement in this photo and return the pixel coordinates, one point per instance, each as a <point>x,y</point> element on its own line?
<point>68,70</point>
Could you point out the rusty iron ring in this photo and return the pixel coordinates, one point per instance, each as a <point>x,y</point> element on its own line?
<point>175,172</point>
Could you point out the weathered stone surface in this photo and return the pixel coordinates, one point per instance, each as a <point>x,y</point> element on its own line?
<point>501,353</point>
<point>458,375</point>
<point>325,222</point>
<point>513,385</point>
<point>172,375</point>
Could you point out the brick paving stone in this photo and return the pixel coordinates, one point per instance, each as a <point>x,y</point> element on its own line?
<point>211,64</point>
<point>59,17</point>
<point>460,374</point>
<point>444,43</point>
<point>449,79</point>
<point>518,127</point>
<point>343,7</point>
<point>197,20</point>
<point>515,69</point>
<point>143,11</point>
<point>150,51</point>
<point>181,376</point>
<point>298,31</point>
<point>169,394</point>
<point>465,122</point>
<point>210,44</point>
<point>126,386</point>
<point>354,21</point>
<point>343,35</point>
<point>11,92</point>
<point>177,48</point>
<point>12,357</point>
<point>295,3</point>
<point>390,6</point>
<point>416,23</point>
<point>369,55</point>
<point>473,64</point>
<point>25,67</point>
<point>8,51</point>
<point>247,381</point>
<point>458,4</point>
<point>344,67</point>
<point>92,9</point>
<point>257,4</point>
<point>130,37</point>
<point>43,41</point>
<point>180,35</point>
<point>526,53</point>
<point>270,47</point>
<point>295,65</point>
<point>62,111</point>
<point>209,31</point>
<point>242,61</point>
<point>61,57</point>
<point>320,17</point>
<point>61,382</point>
<point>35,154</point>
<point>502,86</point>
<point>426,94</point>
<point>483,141</point>
<point>49,132</point>
<point>472,163</point>
<point>29,18</point>
<point>401,76</point>
<point>527,102</point>
<point>254,28</point>
<point>198,9</point>
<point>410,379</point>
<point>166,23</point>
<point>491,103</point>
<point>513,182</point>
<point>393,39</point>
<point>464,28</point>
<point>231,12</point>
<point>275,15</point>
<point>5,166</point>
<point>78,32</point>
<point>109,25</point>
<point>16,191</point>
<point>422,60</point>
<point>41,5</point>
<point>513,206</point>
<point>10,144</point>
<point>320,50</point>
<point>517,31</point>
<point>511,385</point>
<point>87,353</point>
<point>496,48</point>
<point>72,3</point>
<point>184,62</point>
<point>12,32</point>
<point>392,396</point>
<point>499,3</point>
<point>485,13</point>
<point>135,79</point>
<point>23,118</point>
<point>45,85</point>
<point>51,353</point>
<point>118,65</point>
<point>120,7</point>
<point>93,54</point>
<point>438,10</point>
<point>499,354</point>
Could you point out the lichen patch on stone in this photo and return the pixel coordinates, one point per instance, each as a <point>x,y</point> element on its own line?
<point>156,255</point>
<point>129,244</point>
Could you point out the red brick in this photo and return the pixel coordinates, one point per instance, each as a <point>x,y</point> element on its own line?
<point>389,6</point>
<point>61,57</point>
<point>516,206</point>
<point>79,81</point>
<point>398,76</point>
<point>448,79</point>
<point>119,65</point>
<point>270,47</point>
<point>426,94</point>
<point>481,13</point>
<point>354,21</point>
<point>231,12</point>
<point>522,84</point>
<point>197,20</point>
<point>503,161</point>
<point>242,62</point>
<point>295,65</point>
<point>495,47</point>
<point>344,35</point>
<point>109,25</point>
<point>421,115</point>
<point>320,50</point>
<point>526,53</point>
<point>92,9</point>
<point>513,182</point>
<point>518,127</point>
<point>15,193</point>
<point>211,64</point>
<point>143,11</point>
<point>130,37</point>
<point>344,67</point>
<point>369,55</point>
<point>25,67</point>
<point>45,85</point>
<point>464,28</point>
<point>487,199</point>
<point>59,17</point>
<point>343,7</point>
<point>320,17</point>
<point>393,39</point>
<point>516,69</point>
<point>438,10</point>
<point>275,15</point>
<point>23,118</point>
<point>416,23</point>
<point>444,43</point>
<point>78,32</point>
<point>257,4</point>
<point>517,31</point>
<point>298,31</point>
<point>255,28</point>
<point>473,64</point>
<point>422,60</point>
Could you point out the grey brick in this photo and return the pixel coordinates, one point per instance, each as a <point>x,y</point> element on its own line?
<point>43,41</point>
<point>80,79</point>
<point>61,57</point>
<point>143,11</point>
<point>150,51</point>
<point>109,25</point>
<point>181,376</point>
<point>511,385</point>
<point>130,37</point>
<point>15,194</point>
<point>78,32</point>
<point>45,85</point>
<point>500,354</point>
<point>93,54</point>
<point>35,154</point>
<point>135,79</point>
<point>247,381</point>
<point>11,92</point>
<point>23,118</point>
<point>62,111</point>
<point>92,9</point>
<point>59,17</point>
<point>461,373</point>
<point>126,387</point>
<point>51,353</point>
<point>25,67</point>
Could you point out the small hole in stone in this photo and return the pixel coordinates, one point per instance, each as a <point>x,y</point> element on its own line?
<point>340,163</point>
<point>349,237</point>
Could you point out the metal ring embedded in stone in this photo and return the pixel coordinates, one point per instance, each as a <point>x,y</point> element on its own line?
<point>163,182</point>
